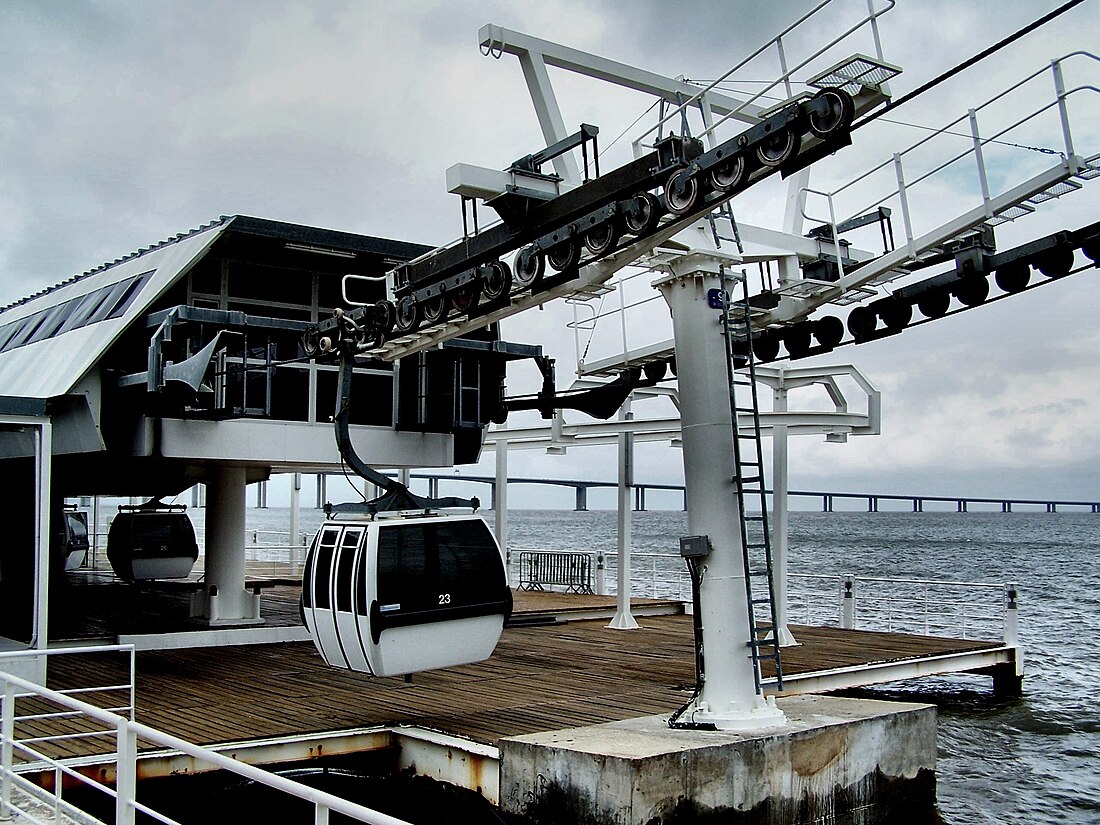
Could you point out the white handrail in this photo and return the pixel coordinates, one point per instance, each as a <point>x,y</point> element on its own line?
<point>127,733</point>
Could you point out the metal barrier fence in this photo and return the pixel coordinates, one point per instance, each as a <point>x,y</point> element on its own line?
<point>18,756</point>
<point>540,569</point>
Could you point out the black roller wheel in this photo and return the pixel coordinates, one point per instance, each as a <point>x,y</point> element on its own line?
<point>972,290</point>
<point>682,192</point>
<point>728,174</point>
<point>829,331</point>
<point>765,348</point>
<point>408,316</point>
<point>528,267</point>
<point>776,149</point>
<point>466,297</point>
<point>498,281</point>
<point>797,340</point>
<point>861,323</point>
<point>602,239</point>
<point>1013,277</point>
<point>643,215</point>
<point>935,303</point>
<point>1056,263</point>
<point>564,255</point>
<point>1091,248</point>
<point>435,309</point>
<point>384,316</point>
<point>896,315</point>
<point>841,109</point>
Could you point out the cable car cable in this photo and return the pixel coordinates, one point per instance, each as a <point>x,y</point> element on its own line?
<point>966,64</point>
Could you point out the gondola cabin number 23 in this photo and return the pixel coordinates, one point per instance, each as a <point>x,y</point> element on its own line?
<point>401,595</point>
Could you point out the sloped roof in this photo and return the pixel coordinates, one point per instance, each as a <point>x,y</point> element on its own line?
<point>50,340</point>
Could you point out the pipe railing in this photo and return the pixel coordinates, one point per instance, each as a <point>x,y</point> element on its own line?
<point>127,733</point>
<point>699,98</point>
<point>978,143</point>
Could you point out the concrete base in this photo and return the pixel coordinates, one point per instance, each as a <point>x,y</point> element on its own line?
<point>836,760</point>
<point>210,608</point>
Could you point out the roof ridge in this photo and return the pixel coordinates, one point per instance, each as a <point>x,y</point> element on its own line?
<point>221,219</point>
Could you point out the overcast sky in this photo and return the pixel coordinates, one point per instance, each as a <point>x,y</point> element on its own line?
<point>122,123</point>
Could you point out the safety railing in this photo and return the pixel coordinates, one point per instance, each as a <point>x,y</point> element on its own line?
<point>786,73</point>
<point>930,607</point>
<point>19,756</point>
<point>116,696</point>
<point>893,181</point>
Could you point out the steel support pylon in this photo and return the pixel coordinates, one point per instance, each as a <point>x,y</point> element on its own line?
<point>729,698</point>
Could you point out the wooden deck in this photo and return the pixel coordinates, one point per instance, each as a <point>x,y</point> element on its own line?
<point>542,677</point>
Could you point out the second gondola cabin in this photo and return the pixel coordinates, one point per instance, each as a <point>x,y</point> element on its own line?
<point>398,595</point>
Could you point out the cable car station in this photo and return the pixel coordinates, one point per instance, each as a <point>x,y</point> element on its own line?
<point>250,347</point>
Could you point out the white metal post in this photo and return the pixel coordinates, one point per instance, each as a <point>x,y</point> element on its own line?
<point>7,732</point>
<point>980,158</point>
<point>729,698</point>
<point>1012,616</point>
<point>779,514</point>
<point>43,450</point>
<point>905,217</point>
<point>500,505</point>
<point>624,620</point>
<point>848,603</point>
<point>295,522</point>
<point>1063,115</point>
<point>125,774</point>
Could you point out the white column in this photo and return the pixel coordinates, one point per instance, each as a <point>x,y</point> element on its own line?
<point>43,460</point>
<point>549,114</point>
<point>728,699</point>
<point>779,513</point>
<point>295,522</point>
<point>500,505</point>
<point>226,600</point>
<point>623,619</point>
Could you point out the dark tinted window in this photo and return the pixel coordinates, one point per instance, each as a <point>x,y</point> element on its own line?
<point>406,575</point>
<point>307,592</point>
<point>469,562</point>
<point>344,569</point>
<point>322,587</point>
<point>421,567</point>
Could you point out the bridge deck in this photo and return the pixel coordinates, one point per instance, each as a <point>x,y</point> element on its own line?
<point>542,677</point>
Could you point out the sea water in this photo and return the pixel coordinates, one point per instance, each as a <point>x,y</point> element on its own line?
<point>1033,758</point>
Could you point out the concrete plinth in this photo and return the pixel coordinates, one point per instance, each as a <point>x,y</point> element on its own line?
<point>836,760</point>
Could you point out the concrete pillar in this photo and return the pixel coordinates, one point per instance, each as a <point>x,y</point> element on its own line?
<point>728,699</point>
<point>582,500</point>
<point>322,492</point>
<point>224,599</point>
<point>500,505</point>
<point>624,620</point>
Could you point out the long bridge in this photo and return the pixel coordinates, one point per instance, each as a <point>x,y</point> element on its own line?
<point>827,499</point>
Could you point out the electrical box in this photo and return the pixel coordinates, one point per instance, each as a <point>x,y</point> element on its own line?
<point>694,547</point>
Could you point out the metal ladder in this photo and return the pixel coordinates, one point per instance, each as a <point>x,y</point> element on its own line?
<point>748,456</point>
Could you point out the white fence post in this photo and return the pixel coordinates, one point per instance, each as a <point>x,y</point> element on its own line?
<point>1012,616</point>
<point>7,733</point>
<point>125,774</point>
<point>848,602</point>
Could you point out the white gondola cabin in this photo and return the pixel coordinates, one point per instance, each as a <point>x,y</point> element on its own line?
<point>152,541</point>
<point>400,595</point>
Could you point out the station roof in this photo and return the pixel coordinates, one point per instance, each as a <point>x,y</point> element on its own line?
<point>50,340</point>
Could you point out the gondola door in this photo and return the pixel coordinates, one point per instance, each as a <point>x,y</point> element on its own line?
<point>349,558</point>
<point>317,596</point>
